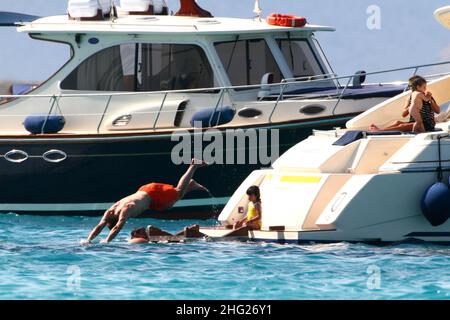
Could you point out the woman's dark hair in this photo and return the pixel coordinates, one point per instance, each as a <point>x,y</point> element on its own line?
<point>254,191</point>
<point>416,81</point>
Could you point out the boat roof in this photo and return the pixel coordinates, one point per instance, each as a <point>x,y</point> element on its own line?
<point>160,24</point>
<point>8,19</point>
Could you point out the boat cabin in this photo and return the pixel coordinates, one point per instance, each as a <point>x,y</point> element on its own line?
<point>149,52</point>
<point>139,56</point>
<point>136,67</point>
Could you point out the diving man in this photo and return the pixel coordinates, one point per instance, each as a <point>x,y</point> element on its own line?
<point>154,196</point>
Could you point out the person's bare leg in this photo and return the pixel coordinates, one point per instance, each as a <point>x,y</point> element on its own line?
<point>400,126</point>
<point>194,185</point>
<point>191,232</point>
<point>393,126</point>
<point>238,225</point>
<point>156,232</point>
<point>374,128</point>
<point>183,186</point>
<point>406,127</point>
<point>397,126</point>
<point>253,226</point>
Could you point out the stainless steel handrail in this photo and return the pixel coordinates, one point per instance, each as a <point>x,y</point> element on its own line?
<point>160,109</point>
<point>256,86</point>
<point>341,94</point>
<point>280,96</point>
<point>388,70</point>
<point>104,114</point>
<point>221,98</point>
<point>223,90</point>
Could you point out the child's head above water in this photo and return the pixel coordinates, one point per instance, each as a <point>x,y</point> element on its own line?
<point>254,195</point>
<point>418,83</point>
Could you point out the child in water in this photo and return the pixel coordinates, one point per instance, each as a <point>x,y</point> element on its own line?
<point>254,213</point>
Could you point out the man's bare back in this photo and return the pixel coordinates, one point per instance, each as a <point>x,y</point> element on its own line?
<point>137,203</point>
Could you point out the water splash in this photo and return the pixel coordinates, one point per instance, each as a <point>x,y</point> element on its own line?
<point>214,206</point>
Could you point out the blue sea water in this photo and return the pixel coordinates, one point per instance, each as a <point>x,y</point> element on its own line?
<point>41,258</point>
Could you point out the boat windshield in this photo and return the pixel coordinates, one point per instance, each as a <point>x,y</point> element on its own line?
<point>143,67</point>
<point>247,61</point>
<point>300,58</point>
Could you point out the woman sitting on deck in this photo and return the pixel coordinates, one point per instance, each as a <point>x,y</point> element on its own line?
<point>421,107</point>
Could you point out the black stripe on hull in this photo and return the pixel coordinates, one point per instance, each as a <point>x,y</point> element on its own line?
<point>428,234</point>
<point>106,171</point>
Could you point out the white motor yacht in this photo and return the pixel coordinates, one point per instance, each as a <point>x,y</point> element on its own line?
<point>355,185</point>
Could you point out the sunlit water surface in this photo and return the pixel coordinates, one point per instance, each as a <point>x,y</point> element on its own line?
<point>41,258</point>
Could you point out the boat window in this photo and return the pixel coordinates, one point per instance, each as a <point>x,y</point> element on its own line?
<point>247,61</point>
<point>143,67</point>
<point>300,57</point>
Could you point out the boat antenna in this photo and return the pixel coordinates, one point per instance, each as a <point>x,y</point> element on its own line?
<point>258,11</point>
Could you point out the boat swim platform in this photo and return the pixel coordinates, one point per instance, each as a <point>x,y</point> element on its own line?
<point>221,233</point>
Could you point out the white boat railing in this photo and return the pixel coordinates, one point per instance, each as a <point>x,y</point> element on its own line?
<point>341,91</point>
<point>227,91</point>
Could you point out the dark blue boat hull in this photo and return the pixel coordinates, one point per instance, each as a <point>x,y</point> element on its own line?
<point>100,170</point>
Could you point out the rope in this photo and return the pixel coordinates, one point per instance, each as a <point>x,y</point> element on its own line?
<point>57,109</point>
<point>232,53</point>
<point>291,52</point>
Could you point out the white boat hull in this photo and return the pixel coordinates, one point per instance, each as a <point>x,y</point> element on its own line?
<point>368,189</point>
<point>376,209</point>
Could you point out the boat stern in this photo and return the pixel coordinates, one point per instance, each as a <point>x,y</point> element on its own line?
<point>290,201</point>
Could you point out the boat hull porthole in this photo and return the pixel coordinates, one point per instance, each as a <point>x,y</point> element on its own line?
<point>54,156</point>
<point>122,121</point>
<point>250,113</point>
<point>16,156</point>
<point>312,109</point>
<point>93,40</point>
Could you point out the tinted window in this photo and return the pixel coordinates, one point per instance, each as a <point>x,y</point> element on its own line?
<point>246,61</point>
<point>143,67</point>
<point>300,58</point>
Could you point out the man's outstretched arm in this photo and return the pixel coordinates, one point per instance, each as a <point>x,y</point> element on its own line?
<point>96,231</point>
<point>117,228</point>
